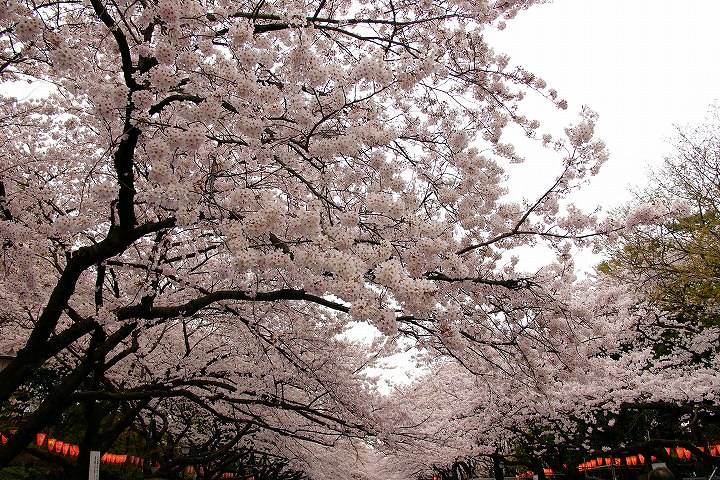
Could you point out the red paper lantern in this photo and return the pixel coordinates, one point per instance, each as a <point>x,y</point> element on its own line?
<point>59,446</point>
<point>65,448</point>
<point>51,444</point>
<point>641,458</point>
<point>40,438</point>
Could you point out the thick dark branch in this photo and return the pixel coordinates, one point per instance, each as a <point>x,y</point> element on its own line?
<point>173,389</point>
<point>350,21</point>
<point>99,280</point>
<point>193,306</point>
<point>123,159</point>
<point>6,214</point>
<point>59,342</point>
<point>512,284</point>
<point>127,65</point>
<point>180,97</point>
<point>269,27</point>
<point>123,162</point>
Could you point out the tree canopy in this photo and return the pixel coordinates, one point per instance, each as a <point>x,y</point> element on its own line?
<point>200,200</point>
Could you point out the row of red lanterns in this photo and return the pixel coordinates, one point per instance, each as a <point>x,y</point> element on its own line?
<point>64,448</point>
<point>632,460</point>
<point>53,445</point>
<point>60,447</point>
<point>685,454</point>
<point>607,461</point>
<point>681,452</point>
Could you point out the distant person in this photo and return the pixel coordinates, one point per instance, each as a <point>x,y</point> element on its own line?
<point>661,473</point>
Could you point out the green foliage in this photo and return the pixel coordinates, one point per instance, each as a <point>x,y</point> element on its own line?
<point>674,262</point>
<point>22,473</point>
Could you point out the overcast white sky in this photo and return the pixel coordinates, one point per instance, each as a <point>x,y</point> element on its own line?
<point>643,65</point>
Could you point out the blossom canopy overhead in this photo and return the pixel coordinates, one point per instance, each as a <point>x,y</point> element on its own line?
<point>220,188</point>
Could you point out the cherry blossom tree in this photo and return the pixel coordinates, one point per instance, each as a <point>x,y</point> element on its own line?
<point>669,258</point>
<point>200,197</point>
<point>600,387</point>
<point>435,427</point>
<point>634,368</point>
